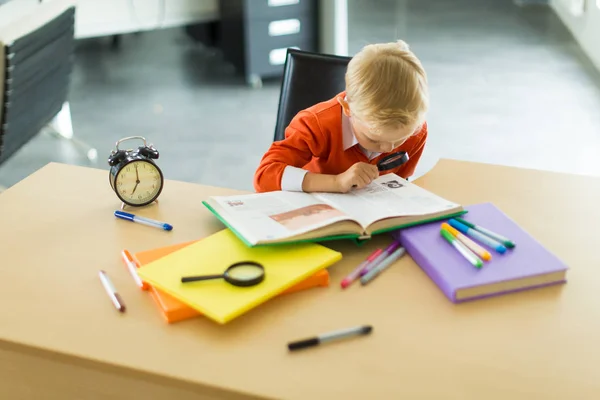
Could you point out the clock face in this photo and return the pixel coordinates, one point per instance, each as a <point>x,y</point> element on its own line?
<point>138,182</point>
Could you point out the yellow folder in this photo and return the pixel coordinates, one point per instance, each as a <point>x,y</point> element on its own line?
<point>285,265</point>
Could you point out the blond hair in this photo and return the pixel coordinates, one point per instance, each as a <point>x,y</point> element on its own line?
<point>386,86</point>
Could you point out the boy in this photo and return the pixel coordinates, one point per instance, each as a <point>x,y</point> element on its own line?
<point>334,146</point>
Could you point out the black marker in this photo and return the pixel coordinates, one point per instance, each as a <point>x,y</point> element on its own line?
<point>331,336</point>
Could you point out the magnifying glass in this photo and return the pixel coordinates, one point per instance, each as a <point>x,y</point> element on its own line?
<point>244,273</point>
<point>392,161</point>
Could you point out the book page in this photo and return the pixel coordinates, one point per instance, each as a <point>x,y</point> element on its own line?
<point>276,215</point>
<point>387,196</point>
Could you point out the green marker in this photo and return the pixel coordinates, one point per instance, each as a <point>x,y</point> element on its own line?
<point>462,249</point>
<point>505,241</point>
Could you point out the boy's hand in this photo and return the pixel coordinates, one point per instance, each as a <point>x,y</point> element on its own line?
<point>358,176</point>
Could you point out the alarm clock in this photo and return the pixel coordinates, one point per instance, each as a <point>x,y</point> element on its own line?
<point>133,175</point>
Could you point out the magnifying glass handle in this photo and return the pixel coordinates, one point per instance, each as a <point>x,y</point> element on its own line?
<point>200,278</point>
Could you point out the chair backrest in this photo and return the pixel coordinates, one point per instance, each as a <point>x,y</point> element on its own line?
<point>308,78</point>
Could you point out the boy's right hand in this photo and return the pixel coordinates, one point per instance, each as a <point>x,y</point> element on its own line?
<point>357,176</point>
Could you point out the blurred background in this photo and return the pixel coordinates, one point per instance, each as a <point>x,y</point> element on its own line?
<point>512,82</point>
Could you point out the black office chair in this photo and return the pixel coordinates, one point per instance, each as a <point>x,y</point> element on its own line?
<point>308,78</point>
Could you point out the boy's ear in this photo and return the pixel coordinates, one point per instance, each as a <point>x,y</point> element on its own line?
<point>345,106</point>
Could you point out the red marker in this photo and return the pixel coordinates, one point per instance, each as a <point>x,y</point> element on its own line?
<point>111,291</point>
<point>347,281</point>
<point>132,265</point>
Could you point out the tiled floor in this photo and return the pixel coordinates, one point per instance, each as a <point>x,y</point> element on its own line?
<point>509,85</point>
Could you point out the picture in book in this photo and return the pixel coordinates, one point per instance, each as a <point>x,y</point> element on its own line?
<point>307,216</point>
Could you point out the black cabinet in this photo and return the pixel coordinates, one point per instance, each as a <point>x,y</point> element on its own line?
<point>255,34</point>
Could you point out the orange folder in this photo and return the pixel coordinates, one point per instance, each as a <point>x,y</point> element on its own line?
<point>174,310</point>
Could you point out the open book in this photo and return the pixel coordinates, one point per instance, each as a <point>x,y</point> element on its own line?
<point>388,203</point>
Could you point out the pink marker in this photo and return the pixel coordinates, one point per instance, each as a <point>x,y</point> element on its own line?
<point>111,291</point>
<point>389,250</point>
<point>347,281</point>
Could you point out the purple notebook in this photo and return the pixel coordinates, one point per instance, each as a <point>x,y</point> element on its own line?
<point>526,266</point>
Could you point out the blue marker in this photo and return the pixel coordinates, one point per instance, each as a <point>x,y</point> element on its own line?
<point>499,247</point>
<point>143,220</point>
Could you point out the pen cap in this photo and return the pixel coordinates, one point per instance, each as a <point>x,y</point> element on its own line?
<point>124,215</point>
<point>460,227</point>
<point>447,235</point>
<point>466,223</point>
<point>393,247</point>
<point>301,344</point>
<point>450,229</point>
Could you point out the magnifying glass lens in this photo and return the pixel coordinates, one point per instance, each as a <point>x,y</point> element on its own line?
<point>245,272</point>
<point>392,159</point>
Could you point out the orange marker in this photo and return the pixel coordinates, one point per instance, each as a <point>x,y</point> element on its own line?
<point>474,247</point>
<point>131,264</point>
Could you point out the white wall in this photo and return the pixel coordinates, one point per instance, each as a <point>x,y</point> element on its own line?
<point>585,28</point>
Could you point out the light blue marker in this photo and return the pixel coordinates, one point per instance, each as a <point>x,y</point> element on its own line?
<point>383,265</point>
<point>488,241</point>
<point>143,220</point>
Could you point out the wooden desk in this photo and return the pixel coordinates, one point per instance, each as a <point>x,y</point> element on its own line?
<point>61,338</point>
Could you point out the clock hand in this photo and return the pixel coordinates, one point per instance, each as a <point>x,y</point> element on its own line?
<point>137,179</point>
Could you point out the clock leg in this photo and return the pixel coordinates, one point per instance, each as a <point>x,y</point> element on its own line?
<point>123,205</point>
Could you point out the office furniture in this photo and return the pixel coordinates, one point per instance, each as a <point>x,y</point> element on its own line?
<point>61,337</point>
<point>97,18</point>
<point>242,24</point>
<point>36,60</point>
<point>308,78</point>
<point>254,35</point>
